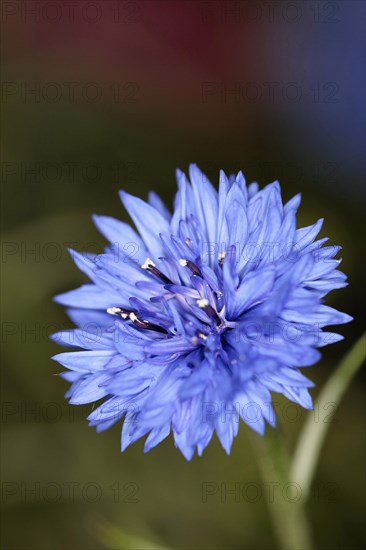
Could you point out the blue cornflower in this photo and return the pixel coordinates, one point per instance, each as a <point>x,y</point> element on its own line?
<point>190,323</point>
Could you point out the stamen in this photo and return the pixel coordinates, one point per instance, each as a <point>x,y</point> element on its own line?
<point>222,257</point>
<point>124,313</point>
<point>204,304</point>
<point>131,315</point>
<point>187,263</point>
<point>200,335</point>
<point>146,325</point>
<point>148,264</point>
<point>151,267</point>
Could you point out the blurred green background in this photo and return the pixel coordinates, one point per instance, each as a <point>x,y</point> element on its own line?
<point>103,95</point>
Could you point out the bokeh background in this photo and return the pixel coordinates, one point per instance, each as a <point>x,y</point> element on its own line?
<point>102,95</point>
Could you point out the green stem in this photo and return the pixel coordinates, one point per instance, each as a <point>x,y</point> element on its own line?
<point>287,510</point>
<point>313,433</point>
<point>284,498</point>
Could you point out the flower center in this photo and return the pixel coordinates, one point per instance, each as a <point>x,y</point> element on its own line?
<point>199,306</point>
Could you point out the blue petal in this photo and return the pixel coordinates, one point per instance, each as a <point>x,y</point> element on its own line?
<point>306,235</point>
<point>84,338</point>
<point>156,202</point>
<point>236,219</point>
<point>299,395</point>
<point>156,436</point>
<point>89,296</point>
<point>149,222</point>
<point>181,201</point>
<point>226,429</point>
<point>123,236</point>
<point>293,204</point>
<point>85,361</point>
<point>89,390</point>
<point>205,197</point>
<point>254,288</point>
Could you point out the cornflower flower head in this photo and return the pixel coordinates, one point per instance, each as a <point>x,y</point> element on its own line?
<point>191,322</point>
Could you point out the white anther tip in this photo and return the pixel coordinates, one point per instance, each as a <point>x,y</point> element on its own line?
<point>113,310</point>
<point>148,263</point>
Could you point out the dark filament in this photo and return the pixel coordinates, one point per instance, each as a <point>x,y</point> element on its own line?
<point>151,268</point>
<point>132,316</point>
<point>212,313</point>
<point>195,270</point>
